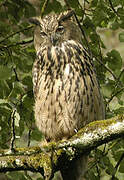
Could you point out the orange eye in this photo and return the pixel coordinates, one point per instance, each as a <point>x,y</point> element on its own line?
<point>60,29</point>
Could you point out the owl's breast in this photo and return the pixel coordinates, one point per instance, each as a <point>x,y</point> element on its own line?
<point>68,95</point>
<point>54,107</point>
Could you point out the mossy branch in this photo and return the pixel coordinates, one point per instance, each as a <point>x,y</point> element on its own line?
<point>55,156</point>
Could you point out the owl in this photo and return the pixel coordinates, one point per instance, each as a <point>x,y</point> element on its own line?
<point>66,91</point>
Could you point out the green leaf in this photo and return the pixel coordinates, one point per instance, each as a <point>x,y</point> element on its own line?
<point>115,60</point>
<point>119,111</point>
<point>115,25</point>
<point>120,11</point>
<point>5,73</point>
<point>5,110</point>
<point>36,135</point>
<point>94,3</point>
<point>122,76</point>
<point>54,6</point>
<point>117,154</point>
<point>27,102</point>
<point>39,178</point>
<point>107,89</point>
<point>17,89</point>
<point>3,101</point>
<point>94,37</point>
<point>110,169</point>
<point>16,176</point>
<point>121,37</point>
<point>29,10</point>
<point>28,82</point>
<point>121,168</point>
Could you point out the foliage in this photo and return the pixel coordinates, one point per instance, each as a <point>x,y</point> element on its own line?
<point>16,58</point>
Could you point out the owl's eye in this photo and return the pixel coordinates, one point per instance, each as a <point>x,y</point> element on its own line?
<point>60,29</point>
<point>43,33</point>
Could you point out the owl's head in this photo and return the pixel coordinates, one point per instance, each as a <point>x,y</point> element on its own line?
<point>53,30</point>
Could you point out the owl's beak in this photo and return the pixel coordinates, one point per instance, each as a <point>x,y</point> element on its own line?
<point>53,39</point>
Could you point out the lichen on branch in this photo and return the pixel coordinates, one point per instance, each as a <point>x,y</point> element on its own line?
<point>55,156</point>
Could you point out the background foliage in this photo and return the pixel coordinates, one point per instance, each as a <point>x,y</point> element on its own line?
<point>102,22</point>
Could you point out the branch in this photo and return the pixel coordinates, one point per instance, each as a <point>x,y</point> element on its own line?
<point>26,41</point>
<point>44,7</point>
<point>55,156</point>
<point>117,165</point>
<point>115,94</point>
<point>108,69</point>
<point>17,32</point>
<point>113,7</point>
<point>12,129</point>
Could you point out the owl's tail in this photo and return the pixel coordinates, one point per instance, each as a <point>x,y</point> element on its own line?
<point>76,169</point>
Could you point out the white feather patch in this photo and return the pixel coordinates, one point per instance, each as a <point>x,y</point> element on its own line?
<point>67,69</point>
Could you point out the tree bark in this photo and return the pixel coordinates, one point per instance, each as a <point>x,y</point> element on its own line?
<point>56,156</point>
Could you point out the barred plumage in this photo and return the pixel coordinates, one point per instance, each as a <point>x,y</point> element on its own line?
<point>67,94</point>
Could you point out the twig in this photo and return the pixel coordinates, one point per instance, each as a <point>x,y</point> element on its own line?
<point>27,176</point>
<point>29,137</point>
<point>69,8</point>
<point>119,77</point>
<point>27,28</point>
<point>84,10</point>
<point>12,130</point>
<point>44,7</point>
<point>118,82</point>
<point>119,91</point>
<point>113,7</point>
<point>100,52</point>
<point>98,171</point>
<point>89,51</point>
<point>100,61</point>
<point>30,129</point>
<point>117,165</point>
<point>16,76</point>
<point>109,70</point>
<point>16,44</point>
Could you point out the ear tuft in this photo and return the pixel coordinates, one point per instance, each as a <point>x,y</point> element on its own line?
<point>35,20</point>
<point>66,15</point>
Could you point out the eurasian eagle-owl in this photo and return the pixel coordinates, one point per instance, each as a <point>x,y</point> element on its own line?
<point>67,94</point>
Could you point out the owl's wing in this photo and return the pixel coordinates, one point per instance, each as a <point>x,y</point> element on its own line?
<point>80,98</point>
<point>92,96</point>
